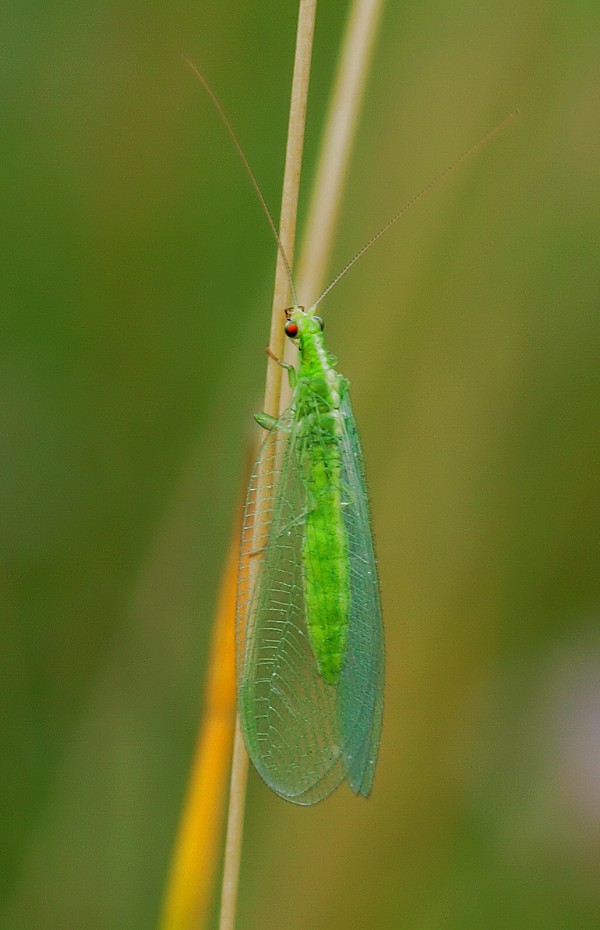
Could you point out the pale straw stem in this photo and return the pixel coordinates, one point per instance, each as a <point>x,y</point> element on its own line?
<point>336,147</point>
<point>340,130</point>
<point>287,230</point>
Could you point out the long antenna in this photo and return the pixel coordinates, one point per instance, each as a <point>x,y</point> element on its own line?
<point>249,172</point>
<point>428,187</point>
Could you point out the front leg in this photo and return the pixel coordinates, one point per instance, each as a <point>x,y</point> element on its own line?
<point>289,368</point>
<point>265,419</point>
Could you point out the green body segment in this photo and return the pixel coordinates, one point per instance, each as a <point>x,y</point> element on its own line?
<point>325,547</point>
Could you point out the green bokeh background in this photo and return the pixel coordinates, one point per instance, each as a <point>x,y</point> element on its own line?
<point>136,273</point>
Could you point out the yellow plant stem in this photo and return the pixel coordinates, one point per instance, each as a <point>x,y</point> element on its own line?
<point>191,881</point>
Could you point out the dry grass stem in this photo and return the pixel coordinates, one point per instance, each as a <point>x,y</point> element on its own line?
<point>338,138</point>
<point>287,232</point>
<point>289,200</point>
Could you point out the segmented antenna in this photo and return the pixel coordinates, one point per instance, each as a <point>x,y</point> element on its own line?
<point>469,153</point>
<point>226,122</point>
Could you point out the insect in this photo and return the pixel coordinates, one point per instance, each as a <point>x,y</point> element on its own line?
<point>310,652</point>
<point>309,631</point>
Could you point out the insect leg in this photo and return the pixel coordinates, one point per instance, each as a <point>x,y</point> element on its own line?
<point>265,420</point>
<point>289,368</point>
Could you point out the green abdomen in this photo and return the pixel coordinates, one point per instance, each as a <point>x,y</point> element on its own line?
<point>325,551</point>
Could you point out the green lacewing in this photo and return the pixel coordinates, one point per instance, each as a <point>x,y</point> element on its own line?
<point>309,629</point>
<point>310,650</point>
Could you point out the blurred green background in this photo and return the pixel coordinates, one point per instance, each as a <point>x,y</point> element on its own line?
<point>135,291</point>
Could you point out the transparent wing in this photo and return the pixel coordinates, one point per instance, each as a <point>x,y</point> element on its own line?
<point>304,736</point>
<point>287,712</point>
<point>361,686</point>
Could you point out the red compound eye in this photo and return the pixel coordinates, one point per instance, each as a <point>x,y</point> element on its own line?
<point>291,329</point>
